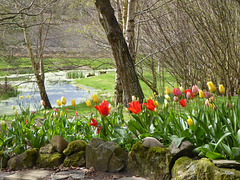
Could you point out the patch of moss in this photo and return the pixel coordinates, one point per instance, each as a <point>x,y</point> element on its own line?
<point>49,160</point>
<point>30,156</point>
<point>75,146</point>
<point>139,149</point>
<point>76,159</point>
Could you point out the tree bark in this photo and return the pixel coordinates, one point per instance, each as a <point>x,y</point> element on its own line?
<point>123,60</point>
<point>130,36</point>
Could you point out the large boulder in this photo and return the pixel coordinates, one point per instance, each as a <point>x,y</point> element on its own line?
<point>149,162</point>
<point>50,160</point>
<point>75,153</point>
<point>188,169</point>
<point>23,161</point>
<point>105,156</point>
<point>59,143</point>
<point>3,159</point>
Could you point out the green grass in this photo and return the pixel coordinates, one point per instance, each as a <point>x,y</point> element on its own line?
<point>106,82</point>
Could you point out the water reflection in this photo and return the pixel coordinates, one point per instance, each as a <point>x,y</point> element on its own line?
<point>56,86</point>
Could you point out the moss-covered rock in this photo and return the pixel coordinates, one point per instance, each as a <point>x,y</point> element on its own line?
<point>105,156</point>
<point>76,159</point>
<point>149,162</point>
<point>23,161</point>
<point>50,160</point>
<point>188,169</point>
<point>75,146</point>
<point>3,159</point>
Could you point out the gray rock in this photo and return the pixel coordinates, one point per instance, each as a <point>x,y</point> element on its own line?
<point>23,161</point>
<point>149,162</point>
<point>185,149</point>
<point>29,175</point>
<point>68,174</point>
<point>151,142</point>
<point>105,156</point>
<point>227,164</point>
<point>59,143</point>
<point>188,169</point>
<point>48,149</point>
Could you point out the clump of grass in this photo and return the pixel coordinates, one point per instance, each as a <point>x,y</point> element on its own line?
<point>75,75</point>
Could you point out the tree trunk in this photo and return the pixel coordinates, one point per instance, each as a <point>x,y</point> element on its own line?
<point>130,29</point>
<point>35,65</point>
<point>118,90</point>
<point>123,60</point>
<point>124,14</point>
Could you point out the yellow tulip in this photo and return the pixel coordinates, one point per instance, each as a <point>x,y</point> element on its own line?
<point>190,121</point>
<point>21,97</point>
<point>63,100</point>
<point>95,98</point>
<point>59,103</point>
<point>73,102</point>
<point>201,94</point>
<point>88,103</point>
<point>211,86</point>
<point>61,113</point>
<point>28,96</point>
<point>156,103</point>
<point>167,91</point>
<point>221,89</point>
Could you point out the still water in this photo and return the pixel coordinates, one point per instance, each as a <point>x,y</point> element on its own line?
<point>57,85</point>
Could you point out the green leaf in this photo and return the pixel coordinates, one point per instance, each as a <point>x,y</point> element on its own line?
<point>236,153</point>
<point>221,139</point>
<point>215,155</point>
<point>238,137</point>
<point>226,149</point>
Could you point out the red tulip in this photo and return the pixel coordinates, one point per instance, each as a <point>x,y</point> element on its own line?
<point>150,105</point>
<point>177,92</point>
<point>98,129</point>
<point>135,107</point>
<point>103,108</point>
<point>183,103</point>
<point>94,123</point>
<point>190,96</point>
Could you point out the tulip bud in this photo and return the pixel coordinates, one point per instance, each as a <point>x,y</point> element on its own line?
<point>95,98</point>
<point>167,90</point>
<point>221,89</point>
<point>188,95</point>
<point>181,89</point>
<point>15,112</point>
<point>112,100</point>
<point>59,103</point>
<point>201,94</point>
<point>21,97</point>
<point>207,95</point>
<point>206,103</point>
<point>167,97</point>
<point>28,96</point>
<point>2,123</point>
<point>13,107</point>
<point>134,98</point>
<point>42,103</point>
<point>190,121</point>
<point>63,100</point>
<point>88,103</point>
<point>61,113</point>
<point>73,102</point>
<point>176,99</point>
<point>195,89</point>
<point>165,103</point>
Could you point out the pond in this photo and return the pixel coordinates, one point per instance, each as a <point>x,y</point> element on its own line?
<point>57,85</point>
